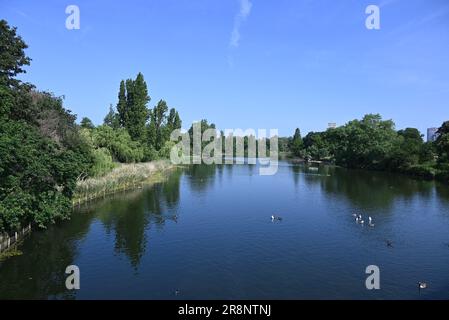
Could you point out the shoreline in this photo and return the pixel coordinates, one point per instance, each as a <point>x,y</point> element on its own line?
<point>125,177</point>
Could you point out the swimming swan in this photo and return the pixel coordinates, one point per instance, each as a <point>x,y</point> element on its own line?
<point>422,285</point>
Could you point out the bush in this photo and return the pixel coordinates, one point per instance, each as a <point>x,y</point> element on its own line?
<point>119,143</point>
<point>164,153</point>
<point>102,162</point>
<point>37,176</point>
<point>425,171</point>
<point>150,154</point>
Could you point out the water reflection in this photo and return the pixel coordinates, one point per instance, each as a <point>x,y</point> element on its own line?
<point>39,272</point>
<point>122,233</point>
<point>364,189</point>
<point>200,177</point>
<point>131,216</point>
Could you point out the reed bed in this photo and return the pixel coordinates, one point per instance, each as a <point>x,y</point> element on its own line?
<point>124,177</point>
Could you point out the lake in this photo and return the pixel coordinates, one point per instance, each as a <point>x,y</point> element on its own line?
<point>206,233</point>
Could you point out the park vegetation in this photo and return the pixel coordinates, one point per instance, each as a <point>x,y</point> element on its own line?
<point>48,161</point>
<point>374,144</point>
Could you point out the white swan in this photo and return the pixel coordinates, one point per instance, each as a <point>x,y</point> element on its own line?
<point>422,285</point>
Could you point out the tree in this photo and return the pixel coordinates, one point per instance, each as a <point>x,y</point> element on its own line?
<point>369,143</point>
<point>159,118</point>
<point>86,123</point>
<point>138,111</point>
<point>119,143</point>
<point>442,143</point>
<point>132,106</point>
<point>408,150</point>
<point>12,55</point>
<point>296,143</point>
<point>41,151</point>
<point>173,123</point>
<point>122,105</point>
<point>112,118</point>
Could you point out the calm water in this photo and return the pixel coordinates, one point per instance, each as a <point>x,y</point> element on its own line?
<point>223,244</point>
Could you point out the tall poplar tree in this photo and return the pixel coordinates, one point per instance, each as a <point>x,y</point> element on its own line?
<point>122,105</point>
<point>132,106</point>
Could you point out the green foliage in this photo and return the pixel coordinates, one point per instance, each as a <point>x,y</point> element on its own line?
<point>42,154</point>
<point>132,106</point>
<point>316,146</point>
<point>159,117</point>
<point>37,176</point>
<point>442,143</point>
<point>296,143</point>
<point>12,55</point>
<point>86,123</point>
<point>122,105</point>
<point>373,143</point>
<point>164,153</point>
<point>119,143</point>
<point>102,162</point>
<point>112,119</point>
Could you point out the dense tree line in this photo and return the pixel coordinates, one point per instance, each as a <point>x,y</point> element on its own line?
<point>43,151</point>
<point>374,143</point>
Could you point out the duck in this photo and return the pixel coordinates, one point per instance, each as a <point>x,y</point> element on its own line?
<point>389,243</point>
<point>273,218</point>
<point>422,285</point>
<point>354,214</point>
<point>370,219</point>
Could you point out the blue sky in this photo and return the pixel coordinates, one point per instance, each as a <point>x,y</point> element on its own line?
<point>246,64</point>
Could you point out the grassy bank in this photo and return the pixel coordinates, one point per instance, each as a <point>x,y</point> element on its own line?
<point>124,177</point>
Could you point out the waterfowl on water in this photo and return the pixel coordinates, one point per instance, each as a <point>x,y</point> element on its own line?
<point>354,214</point>
<point>370,219</point>
<point>389,243</point>
<point>273,218</point>
<point>422,285</point>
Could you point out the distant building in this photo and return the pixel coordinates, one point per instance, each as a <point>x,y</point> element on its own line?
<point>331,125</point>
<point>432,134</point>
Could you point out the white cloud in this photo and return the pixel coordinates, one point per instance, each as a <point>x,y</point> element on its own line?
<point>242,15</point>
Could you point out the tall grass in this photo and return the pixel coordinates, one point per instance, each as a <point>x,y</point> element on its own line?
<point>123,177</point>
